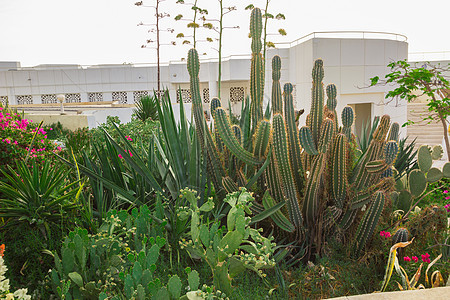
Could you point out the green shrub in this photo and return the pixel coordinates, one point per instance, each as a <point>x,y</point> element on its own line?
<point>16,135</point>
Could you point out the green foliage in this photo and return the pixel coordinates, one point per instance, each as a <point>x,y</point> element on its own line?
<point>119,261</point>
<point>146,108</point>
<point>413,82</point>
<point>20,138</point>
<point>37,196</point>
<point>231,250</point>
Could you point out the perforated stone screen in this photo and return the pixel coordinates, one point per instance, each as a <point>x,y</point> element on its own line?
<point>137,95</point>
<point>206,95</point>
<point>237,94</point>
<point>4,100</point>
<point>49,98</point>
<point>95,97</point>
<point>73,98</point>
<point>185,95</point>
<point>120,96</point>
<point>24,99</point>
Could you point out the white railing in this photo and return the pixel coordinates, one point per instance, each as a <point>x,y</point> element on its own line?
<point>345,35</point>
<point>429,56</point>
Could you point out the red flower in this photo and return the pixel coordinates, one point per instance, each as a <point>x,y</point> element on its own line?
<point>406,258</point>
<point>2,249</point>
<point>415,258</point>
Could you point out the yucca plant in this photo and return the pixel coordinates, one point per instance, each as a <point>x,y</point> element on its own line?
<point>146,108</point>
<point>37,196</point>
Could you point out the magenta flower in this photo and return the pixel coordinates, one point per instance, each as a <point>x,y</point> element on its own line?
<point>445,192</point>
<point>426,258</point>
<point>415,258</point>
<point>406,258</point>
<point>120,156</point>
<point>130,153</point>
<point>448,197</point>
<point>382,233</point>
<point>387,234</point>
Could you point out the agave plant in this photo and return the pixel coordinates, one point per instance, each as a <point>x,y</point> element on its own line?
<point>146,108</point>
<point>37,196</point>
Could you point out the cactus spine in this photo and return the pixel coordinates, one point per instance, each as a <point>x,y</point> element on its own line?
<point>277,106</point>
<point>292,132</point>
<point>257,67</point>
<point>369,221</point>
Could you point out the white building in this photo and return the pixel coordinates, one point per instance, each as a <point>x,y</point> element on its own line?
<point>350,59</point>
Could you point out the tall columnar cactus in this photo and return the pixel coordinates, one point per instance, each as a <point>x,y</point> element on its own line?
<point>277,106</point>
<point>214,165</point>
<point>257,67</point>
<point>316,113</point>
<point>370,220</point>
<point>292,132</point>
<point>323,189</point>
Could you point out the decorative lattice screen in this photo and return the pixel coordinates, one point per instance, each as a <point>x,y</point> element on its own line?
<point>137,95</point>
<point>206,95</point>
<point>72,98</point>
<point>24,99</point>
<point>95,97</point>
<point>49,98</point>
<point>185,95</point>
<point>120,96</point>
<point>237,94</point>
<point>4,100</point>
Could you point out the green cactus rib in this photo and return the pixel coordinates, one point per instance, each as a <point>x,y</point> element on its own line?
<point>369,221</point>
<point>223,126</point>
<point>306,140</point>
<point>339,171</point>
<point>331,216</point>
<point>257,67</point>
<point>292,135</point>
<point>326,135</point>
<point>332,104</point>
<point>273,179</point>
<point>393,133</point>
<point>361,178</point>
<point>348,117</point>
<point>262,139</point>
<point>316,113</point>
<point>390,152</point>
<point>347,219</point>
<point>278,216</point>
<point>214,165</point>
<point>237,133</point>
<point>277,105</point>
<point>382,129</point>
<point>282,157</point>
<point>215,103</point>
<point>229,185</point>
<point>331,97</point>
<point>401,235</point>
<point>311,203</point>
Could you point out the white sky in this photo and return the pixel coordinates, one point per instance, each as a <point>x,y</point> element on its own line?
<point>91,32</point>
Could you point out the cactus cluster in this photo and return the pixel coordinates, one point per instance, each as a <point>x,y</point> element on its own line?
<point>311,169</point>
<point>222,248</point>
<point>410,187</point>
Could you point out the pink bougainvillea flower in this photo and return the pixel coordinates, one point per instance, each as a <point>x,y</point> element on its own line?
<point>387,234</point>
<point>415,258</point>
<point>130,153</point>
<point>445,192</point>
<point>120,156</point>
<point>382,233</point>
<point>406,258</point>
<point>448,197</point>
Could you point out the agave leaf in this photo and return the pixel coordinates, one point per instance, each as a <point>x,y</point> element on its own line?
<point>391,263</point>
<point>429,266</point>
